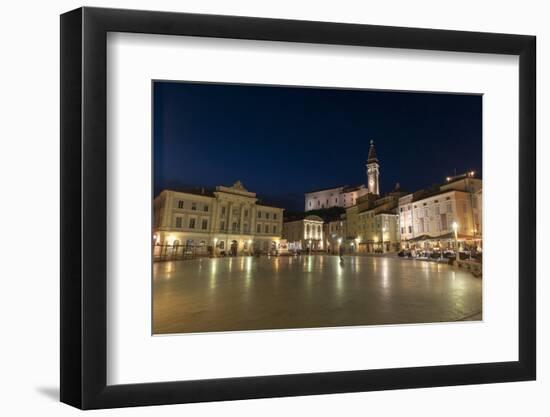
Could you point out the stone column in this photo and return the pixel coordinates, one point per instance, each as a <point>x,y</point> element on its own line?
<point>253,220</point>
<point>241,219</point>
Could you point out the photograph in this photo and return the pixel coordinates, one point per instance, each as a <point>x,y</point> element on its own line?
<point>293,207</point>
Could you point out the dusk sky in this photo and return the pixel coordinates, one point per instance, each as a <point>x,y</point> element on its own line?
<point>283,141</point>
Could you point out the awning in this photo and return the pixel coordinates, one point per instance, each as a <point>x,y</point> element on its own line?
<point>446,236</point>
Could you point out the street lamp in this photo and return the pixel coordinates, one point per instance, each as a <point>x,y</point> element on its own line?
<point>455,228</point>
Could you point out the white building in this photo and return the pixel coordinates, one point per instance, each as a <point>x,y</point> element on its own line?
<point>304,234</point>
<point>228,220</point>
<point>345,196</point>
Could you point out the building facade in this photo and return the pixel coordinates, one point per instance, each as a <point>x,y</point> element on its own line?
<point>305,234</point>
<point>427,217</point>
<point>335,233</point>
<point>228,220</point>
<point>377,226</point>
<point>343,196</point>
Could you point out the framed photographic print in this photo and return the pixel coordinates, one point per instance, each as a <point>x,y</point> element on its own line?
<point>257,208</point>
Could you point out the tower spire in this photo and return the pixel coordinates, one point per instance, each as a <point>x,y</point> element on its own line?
<point>373,170</point>
<point>372,153</point>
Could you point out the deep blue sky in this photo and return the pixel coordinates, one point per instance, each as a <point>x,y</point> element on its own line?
<point>283,141</point>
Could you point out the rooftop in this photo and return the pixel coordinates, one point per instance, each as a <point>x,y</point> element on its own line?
<point>326,189</point>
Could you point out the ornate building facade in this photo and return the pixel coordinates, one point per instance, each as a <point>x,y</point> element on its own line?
<point>305,234</point>
<point>227,220</point>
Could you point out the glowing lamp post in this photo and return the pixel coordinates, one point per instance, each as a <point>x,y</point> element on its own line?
<point>455,228</point>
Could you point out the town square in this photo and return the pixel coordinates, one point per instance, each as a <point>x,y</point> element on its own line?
<point>225,258</point>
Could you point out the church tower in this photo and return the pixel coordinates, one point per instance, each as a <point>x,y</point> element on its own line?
<point>373,170</point>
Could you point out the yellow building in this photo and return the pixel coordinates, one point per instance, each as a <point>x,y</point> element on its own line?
<point>228,220</point>
<point>377,227</point>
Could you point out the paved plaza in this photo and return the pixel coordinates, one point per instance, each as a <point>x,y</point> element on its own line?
<point>247,293</point>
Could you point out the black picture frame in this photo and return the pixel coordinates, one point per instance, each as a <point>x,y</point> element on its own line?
<point>84,207</point>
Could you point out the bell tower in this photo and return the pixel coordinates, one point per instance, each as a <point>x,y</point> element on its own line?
<point>373,170</point>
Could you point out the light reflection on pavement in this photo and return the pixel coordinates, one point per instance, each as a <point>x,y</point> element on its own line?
<point>247,293</point>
